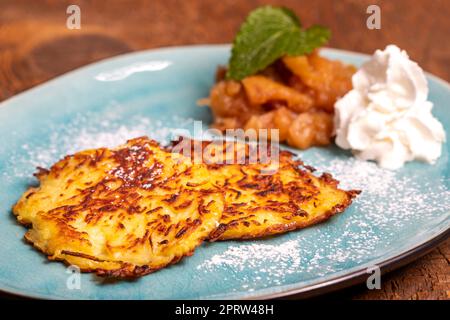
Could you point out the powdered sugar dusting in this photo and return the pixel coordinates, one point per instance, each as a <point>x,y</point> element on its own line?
<point>279,255</point>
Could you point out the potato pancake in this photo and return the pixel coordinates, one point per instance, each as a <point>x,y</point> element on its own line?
<point>121,212</point>
<point>259,202</point>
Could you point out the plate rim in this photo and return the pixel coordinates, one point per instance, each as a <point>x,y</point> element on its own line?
<point>8,100</point>
<point>359,276</point>
<point>339,282</point>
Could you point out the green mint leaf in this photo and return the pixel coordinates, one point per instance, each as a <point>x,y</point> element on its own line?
<point>310,39</point>
<point>267,34</point>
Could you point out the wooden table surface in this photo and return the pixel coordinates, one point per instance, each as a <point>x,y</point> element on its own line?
<point>35,46</point>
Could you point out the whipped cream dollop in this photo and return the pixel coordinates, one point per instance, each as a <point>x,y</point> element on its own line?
<point>386,117</point>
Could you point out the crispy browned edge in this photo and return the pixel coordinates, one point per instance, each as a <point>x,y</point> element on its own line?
<point>127,271</point>
<point>217,235</point>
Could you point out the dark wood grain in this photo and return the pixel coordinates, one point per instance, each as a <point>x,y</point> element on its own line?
<point>35,46</point>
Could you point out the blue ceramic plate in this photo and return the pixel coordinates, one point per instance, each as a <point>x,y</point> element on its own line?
<point>154,93</point>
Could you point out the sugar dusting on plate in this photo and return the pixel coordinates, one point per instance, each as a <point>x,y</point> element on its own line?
<point>87,131</point>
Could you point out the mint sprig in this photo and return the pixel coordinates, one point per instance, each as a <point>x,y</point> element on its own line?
<point>267,34</point>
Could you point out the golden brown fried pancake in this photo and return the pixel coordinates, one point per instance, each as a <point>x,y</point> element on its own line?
<point>124,212</point>
<point>258,203</point>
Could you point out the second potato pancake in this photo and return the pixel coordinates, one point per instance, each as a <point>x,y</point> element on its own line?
<point>258,203</point>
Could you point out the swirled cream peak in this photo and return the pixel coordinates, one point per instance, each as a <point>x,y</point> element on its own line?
<point>386,117</point>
